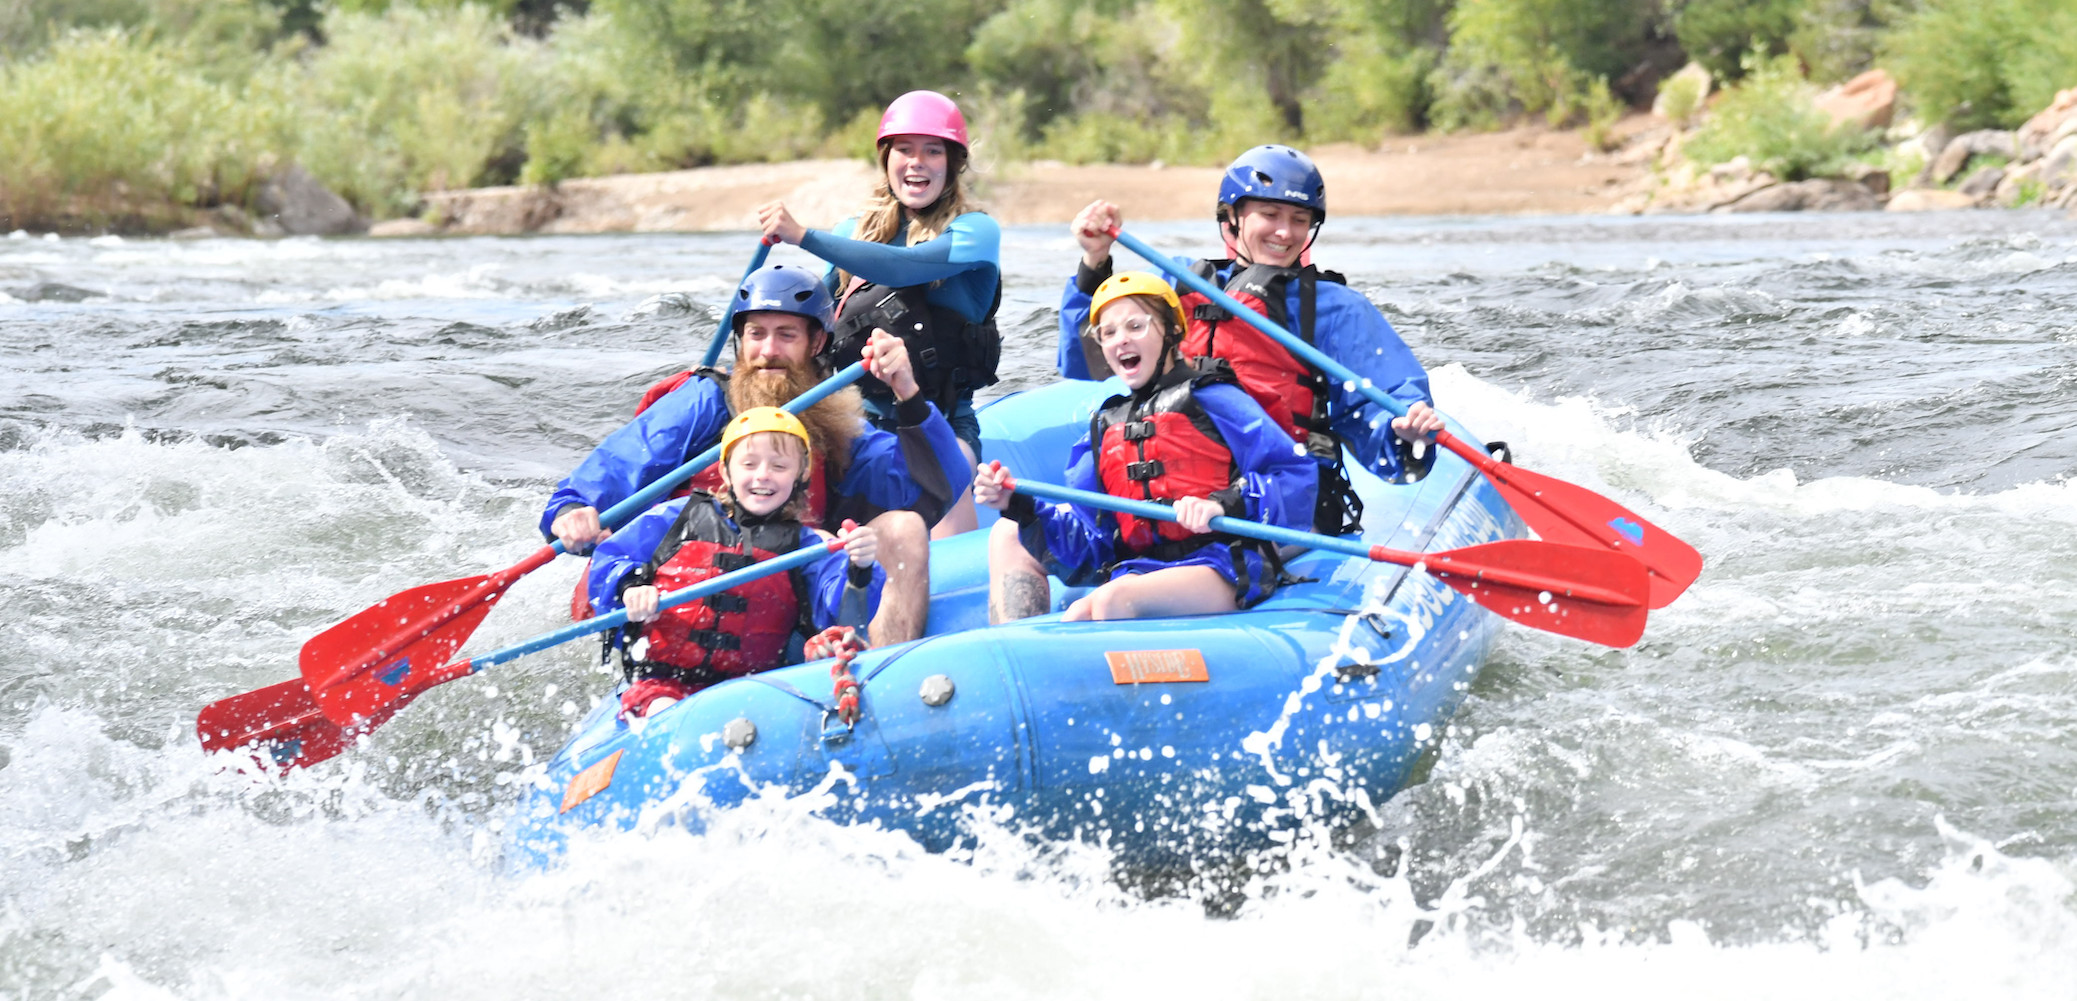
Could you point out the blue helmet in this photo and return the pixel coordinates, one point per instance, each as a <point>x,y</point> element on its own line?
<point>1277,174</point>
<point>784,288</point>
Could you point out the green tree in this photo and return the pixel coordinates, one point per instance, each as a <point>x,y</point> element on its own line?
<point>1985,62</point>
<point>1718,33</point>
<point>1379,60</point>
<point>1274,48</point>
<point>1537,55</point>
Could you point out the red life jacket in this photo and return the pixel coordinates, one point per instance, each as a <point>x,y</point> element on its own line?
<point>740,631</point>
<point>1159,444</point>
<point>1291,391</point>
<point>709,479</point>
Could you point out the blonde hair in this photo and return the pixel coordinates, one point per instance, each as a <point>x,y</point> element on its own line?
<point>884,214</point>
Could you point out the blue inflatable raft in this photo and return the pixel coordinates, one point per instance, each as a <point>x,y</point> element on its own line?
<point>1171,741</point>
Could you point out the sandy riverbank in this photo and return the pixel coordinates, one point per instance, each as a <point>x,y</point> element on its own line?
<point>1523,171</point>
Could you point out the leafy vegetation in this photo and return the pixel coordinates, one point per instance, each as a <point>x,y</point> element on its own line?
<point>1770,119</point>
<point>131,112</point>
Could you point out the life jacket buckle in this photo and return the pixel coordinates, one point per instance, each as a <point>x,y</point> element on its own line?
<point>1143,471</point>
<point>928,357</point>
<point>1210,311</point>
<point>1137,430</point>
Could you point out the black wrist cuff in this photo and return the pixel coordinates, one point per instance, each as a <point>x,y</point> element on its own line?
<point>1022,510</point>
<point>912,412</point>
<point>1087,278</point>
<point>860,577</point>
<point>1235,505</point>
<point>638,577</point>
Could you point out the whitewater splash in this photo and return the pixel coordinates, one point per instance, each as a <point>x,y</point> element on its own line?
<point>1839,765</point>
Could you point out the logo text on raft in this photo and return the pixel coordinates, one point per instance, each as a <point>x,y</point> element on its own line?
<point>1139,667</point>
<point>393,675</point>
<point>1629,530</point>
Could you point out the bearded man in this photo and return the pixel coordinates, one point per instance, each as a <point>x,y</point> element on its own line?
<point>899,482</point>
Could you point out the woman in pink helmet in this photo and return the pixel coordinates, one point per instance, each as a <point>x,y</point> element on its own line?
<point>922,263</point>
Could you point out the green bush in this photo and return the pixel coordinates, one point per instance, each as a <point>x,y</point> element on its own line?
<point>410,100</point>
<point>1769,118</point>
<point>1981,63</point>
<point>107,128</point>
<point>1681,97</point>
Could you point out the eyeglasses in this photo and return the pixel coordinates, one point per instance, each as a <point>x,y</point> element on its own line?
<point>1134,325</point>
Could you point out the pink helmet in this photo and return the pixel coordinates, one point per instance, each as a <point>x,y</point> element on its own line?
<point>924,113</point>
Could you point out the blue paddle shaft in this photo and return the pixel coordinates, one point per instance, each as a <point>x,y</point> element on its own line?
<point>1310,354</point>
<point>642,499</point>
<point>1220,523</point>
<point>712,585</point>
<point>728,313</point>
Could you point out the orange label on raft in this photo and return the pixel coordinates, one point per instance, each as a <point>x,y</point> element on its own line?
<point>591,781</point>
<point>1139,667</point>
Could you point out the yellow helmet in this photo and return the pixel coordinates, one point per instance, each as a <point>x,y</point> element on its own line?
<point>758,419</point>
<point>1136,283</point>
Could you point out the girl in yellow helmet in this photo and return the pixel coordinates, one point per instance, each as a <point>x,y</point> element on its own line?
<point>766,456</point>
<point>1183,434</point>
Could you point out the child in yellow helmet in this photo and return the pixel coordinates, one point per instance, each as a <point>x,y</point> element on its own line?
<point>765,459</point>
<point>1183,434</point>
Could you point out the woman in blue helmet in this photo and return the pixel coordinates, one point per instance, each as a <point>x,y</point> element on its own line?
<point>920,263</point>
<point>1272,201</point>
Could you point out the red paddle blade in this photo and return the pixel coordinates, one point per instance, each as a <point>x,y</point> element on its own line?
<point>365,667</point>
<point>1567,513</point>
<point>280,724</point>
<point>1591,594</point>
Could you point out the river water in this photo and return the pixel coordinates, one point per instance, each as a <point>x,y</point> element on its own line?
<point>1843,765</point>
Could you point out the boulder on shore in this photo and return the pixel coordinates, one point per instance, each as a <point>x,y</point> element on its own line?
<point>1868,101</point>
<point>2044,130</point>
<point>1821,194</point>
<point>296,202</point>
<point>1929,200</point>
<point>1959,150</point>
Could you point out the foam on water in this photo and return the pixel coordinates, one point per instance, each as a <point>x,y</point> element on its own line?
<point>214,884</point>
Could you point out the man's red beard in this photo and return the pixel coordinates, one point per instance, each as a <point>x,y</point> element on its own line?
<point>769,384</point>
<point>832,423</point>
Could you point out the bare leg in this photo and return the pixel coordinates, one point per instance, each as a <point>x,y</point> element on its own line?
<point>961,517</point>
<point>1196,590</point>
<point>1017,587</point>
<point>905,603</point>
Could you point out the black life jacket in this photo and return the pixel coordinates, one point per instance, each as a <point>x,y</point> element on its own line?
<point>740,631</point>
<point>952,356</point>
<point>1292,392</point>
<point>1158,444</point>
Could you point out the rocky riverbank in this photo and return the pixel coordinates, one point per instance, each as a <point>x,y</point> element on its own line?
<point>1910,168</point>
<point>1520,171</point>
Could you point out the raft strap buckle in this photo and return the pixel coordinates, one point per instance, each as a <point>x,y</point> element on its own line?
<point>834,729</point>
